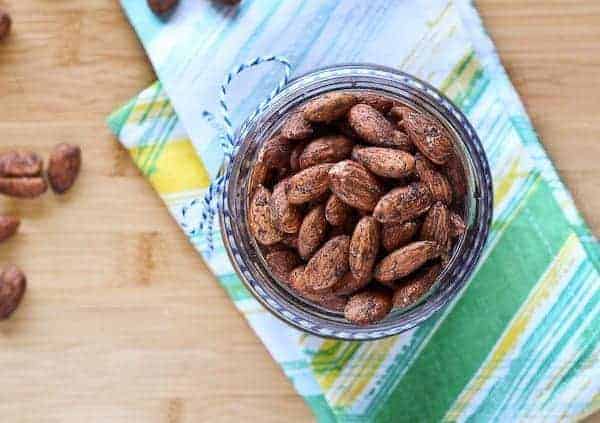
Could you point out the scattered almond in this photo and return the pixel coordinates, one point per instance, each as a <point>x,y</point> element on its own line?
<point>20,164</point>
<point>8,227</point>
<point>12,288</point>
<point>63,167</point>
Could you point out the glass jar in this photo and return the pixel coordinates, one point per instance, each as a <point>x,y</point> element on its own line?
<point>247,258</point>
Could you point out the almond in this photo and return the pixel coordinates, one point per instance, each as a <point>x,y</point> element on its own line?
<point>410,291</point>
<point>328,264</point>
<point>327,300</point>
<point>403,204</point>
<point>396,235</point>
<point>63,167</point>
<point>12,288</point>
<point>380,103</point>
<point>162,7</point>
<point>385,162</point>
<point>309,184</point>
<point>260,221</point>
<point>456,224</point>
<point>296,127</point>
<point>371,126</point>
<point>259,175</point>
<point>406,260</point>
<point>286,217</point>
<point>368,307</point>
<point>20,163</point>
<point>328,149</point>
<point>28,187</point>
<point>281,263</point>
<point>364,247</point>
<point>428,136</point>
<point>329,107</point>
<point>355,185</point>
<point>436,182</point>
<point>8,227</point>
<point>295,157</point>
<point>337,212</point>
<point>435,226</point>
<point>275,152</point>
<point>456,176</point>
<point>312,232</point>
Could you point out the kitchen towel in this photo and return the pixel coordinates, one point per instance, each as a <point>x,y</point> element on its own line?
<point>521,343</point>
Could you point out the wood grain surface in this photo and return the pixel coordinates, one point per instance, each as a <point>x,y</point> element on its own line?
<point>122,321</point>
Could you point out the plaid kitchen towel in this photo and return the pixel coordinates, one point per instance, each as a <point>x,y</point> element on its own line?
<point>521,343</point>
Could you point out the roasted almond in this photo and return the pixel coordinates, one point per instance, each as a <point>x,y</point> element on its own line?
<point>328,300</point>
<point>456,176</point>
<point>328,107</point>
<point>312,232</point>
<point>295,157</point>
<point>436,182</point>
<point>275,152</point>
<point>372,127</point>
<point>403,204</point>
<point>348,284</point>
<point>355,185</point>
<point>327,149</point>
<point>411,290</point>
<point>20,163</point>
<point>8,227</point>
<point>63,167</point>
<point>309,184</point>
<point>386,162</point>
<point>456,224</point>
<point>368,307</point>
<point>259,175</point>
<point>281,263</point>
<point>296,127</point>
<point>328,265</point>
<point>364,247</point>
<point>286,217</point>
<point>12,288</point>
<point>337,212</point>
<point>260,220</point>
<point>380,103</point>
<point>28,187</point>
<point>406,260</point>
<point>428,136</point>
<point>396,235</point>
<point>435,226</point>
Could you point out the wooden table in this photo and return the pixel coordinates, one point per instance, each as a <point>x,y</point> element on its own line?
<point>122,321</point>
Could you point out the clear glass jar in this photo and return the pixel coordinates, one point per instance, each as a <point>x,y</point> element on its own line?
<point>247,257</point>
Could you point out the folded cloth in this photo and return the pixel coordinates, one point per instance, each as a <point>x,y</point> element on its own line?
<point>521,342</point>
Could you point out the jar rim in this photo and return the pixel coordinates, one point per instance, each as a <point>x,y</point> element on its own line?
<point>355,77</point>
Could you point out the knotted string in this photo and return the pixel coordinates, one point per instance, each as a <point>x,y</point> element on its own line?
<point>228,143</point>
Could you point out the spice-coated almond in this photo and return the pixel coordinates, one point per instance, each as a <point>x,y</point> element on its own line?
<point>12,288</point>
<point>296,127</point>
<point>368,307</point>
<point>276,151</point>
<point>328,300</point>
<point>312,232</point>
<point>411,290</point>
<point>20,163</point>
<point>436,182</point>
<point>337,212</point>
<point>286,217</point>
<point>428,136</point>
<point>372,126</point>
<point>435,227</point>
<point>329,107</point>
<point>281,263</point>
<point>396,235</point>
<point>328,265</point>
<point>63,167</point>
<point>403,204</point>
<point>456,176</point>
<point>348,285</point>
<point>456,224</point>
<point>364,247</point>
<point>385,162</point>
<point>259,175</point>
<point>8,227</point>
<point>380,103</point>
<point>162,7</point>
<point>295,157</point>
<point>260,220</point>
<point>355,185</point>
<point>406,260</point>
<point>309,184</point>
<point>327,149</point>
<point>29,187</point>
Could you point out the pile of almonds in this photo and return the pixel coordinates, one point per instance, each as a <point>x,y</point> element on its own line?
<point>356,203</point>
<point>22,176</point>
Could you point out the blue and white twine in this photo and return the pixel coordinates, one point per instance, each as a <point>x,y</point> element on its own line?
<point>228,143</point>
